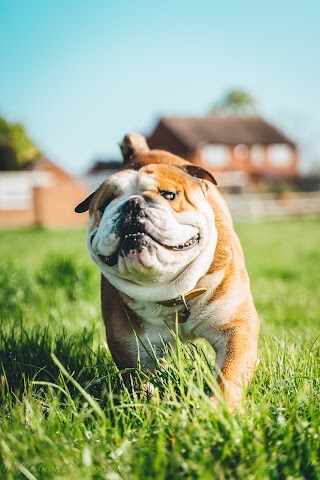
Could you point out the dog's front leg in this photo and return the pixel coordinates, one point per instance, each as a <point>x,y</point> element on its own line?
<point>236,360</point>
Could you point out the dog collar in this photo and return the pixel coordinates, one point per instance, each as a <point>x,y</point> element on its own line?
<point>182,300</point>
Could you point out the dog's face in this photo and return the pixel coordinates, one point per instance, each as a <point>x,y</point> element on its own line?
<point>148,227</point>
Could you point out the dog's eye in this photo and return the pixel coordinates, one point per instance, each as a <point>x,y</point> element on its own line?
<point>168,195</point>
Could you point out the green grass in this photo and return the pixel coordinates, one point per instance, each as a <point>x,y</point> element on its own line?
<point>65,414</point>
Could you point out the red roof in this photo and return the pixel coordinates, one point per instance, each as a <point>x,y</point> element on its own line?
<point>226,130</point>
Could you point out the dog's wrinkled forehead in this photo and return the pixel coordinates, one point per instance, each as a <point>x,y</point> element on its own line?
<point>115,186</point>
<point>166,176</point>
<point>149,180</point>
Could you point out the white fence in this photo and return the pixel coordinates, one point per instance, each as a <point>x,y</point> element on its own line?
<point>262,206</point>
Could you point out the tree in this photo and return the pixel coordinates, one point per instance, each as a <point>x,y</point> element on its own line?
<point>235,102</point>
<point>16,148</point>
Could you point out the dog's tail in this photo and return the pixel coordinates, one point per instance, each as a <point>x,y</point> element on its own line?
<point>133,144</point>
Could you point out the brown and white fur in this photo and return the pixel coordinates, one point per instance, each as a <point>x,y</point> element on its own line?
<point>158,229</point>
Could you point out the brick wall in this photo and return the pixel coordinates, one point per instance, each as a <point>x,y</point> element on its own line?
<point>54,206</point>
<point>47,198</point>
<point>17,218</point>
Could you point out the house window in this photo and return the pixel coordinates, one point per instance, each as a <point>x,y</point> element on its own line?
<point>280,155</point>
<point>15,194</point>
<point>257,155</point>
<point>241,151</point>
<point>215,155</point>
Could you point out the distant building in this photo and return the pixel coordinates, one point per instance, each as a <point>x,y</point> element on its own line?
<point>236,149</point>
<point>41,194</point>
<point>99,171</point>
<point>239,151</point>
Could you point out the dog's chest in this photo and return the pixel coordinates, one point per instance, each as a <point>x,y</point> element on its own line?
<point>158,321</point>
<point>159,326</point>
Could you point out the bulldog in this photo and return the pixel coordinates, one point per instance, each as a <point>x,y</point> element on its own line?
<point>163,239</point>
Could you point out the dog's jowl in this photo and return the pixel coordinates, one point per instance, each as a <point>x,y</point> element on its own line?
<point>163,239</point>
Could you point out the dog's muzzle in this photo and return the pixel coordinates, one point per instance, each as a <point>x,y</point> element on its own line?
<point>133,234</point>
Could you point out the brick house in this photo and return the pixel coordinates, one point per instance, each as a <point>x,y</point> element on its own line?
<point>41,194</point>
<point>234,148</point>
<point>99,171</point>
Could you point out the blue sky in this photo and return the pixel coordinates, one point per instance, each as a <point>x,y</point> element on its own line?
<point>81,74</point>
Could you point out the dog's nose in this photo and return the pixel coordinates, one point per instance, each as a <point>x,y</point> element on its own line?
<point>134,205</point>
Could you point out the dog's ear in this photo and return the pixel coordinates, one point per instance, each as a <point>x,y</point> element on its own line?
<point>198,172</point>
<point>84,206</point>
<point>133,144</point>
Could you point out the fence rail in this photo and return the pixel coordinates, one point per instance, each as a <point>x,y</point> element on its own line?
<point>260,206</point>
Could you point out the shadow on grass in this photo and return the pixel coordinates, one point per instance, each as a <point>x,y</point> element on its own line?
<point>27,363</point>
<point>26,356</point>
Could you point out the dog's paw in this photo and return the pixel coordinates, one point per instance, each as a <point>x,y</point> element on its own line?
<point>148,388</point>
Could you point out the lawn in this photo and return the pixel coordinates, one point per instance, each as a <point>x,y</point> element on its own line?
<point>65,415</point>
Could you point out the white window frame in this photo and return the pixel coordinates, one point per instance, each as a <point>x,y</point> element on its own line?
<point>280,155</point>
<point>241,151</point>
<point>215,155</point>
<point>257,155</point>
